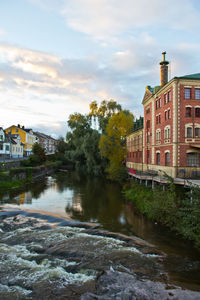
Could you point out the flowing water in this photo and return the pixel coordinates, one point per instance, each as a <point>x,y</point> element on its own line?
<point>59,254</point>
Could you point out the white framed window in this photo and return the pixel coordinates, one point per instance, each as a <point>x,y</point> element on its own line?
<point>197,94</point>
<point>167,132</point>
<point>197,132</point>
<point>169,96</point>
<point>189,132</point>
<point>158,135</point>
<point>187,93</point>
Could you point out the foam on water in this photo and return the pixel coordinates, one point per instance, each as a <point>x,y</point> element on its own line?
<point>14,289</point>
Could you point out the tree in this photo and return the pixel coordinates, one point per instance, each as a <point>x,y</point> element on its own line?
<point>38,155</point>
<point>112,143</point>
<point>101,114</point>
<point>82,144</point>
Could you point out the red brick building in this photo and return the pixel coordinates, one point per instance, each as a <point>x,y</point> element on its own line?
<point>171,131</point>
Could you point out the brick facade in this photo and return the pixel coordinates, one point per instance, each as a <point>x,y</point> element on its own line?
<point>171,131</point>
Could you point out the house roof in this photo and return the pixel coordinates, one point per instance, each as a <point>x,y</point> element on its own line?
<point>190,76</point>
<point>37,133</point>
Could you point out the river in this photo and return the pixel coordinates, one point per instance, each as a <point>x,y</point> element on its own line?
<point>96,201</point>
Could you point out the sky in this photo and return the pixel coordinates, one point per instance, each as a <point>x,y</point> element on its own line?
<point>56,56</point>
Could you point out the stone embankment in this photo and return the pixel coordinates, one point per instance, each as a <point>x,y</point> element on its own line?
<point>16,177</point>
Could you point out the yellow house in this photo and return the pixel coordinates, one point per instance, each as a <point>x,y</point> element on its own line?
<point>27,137</point>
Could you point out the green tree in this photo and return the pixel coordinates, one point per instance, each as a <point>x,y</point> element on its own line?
<point>82,144</point>
<point>102,113</point>
<point>112,144</point>
<point>38,157</point>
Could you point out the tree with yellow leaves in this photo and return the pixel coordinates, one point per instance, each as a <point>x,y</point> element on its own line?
<point>112,143</point>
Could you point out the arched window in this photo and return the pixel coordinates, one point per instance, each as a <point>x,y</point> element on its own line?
<point>167,158</point>
<point>188,112</point>
<point>197,112</point>
<point>167,132</point>
<point>158,158</point>
<point>192,159</point>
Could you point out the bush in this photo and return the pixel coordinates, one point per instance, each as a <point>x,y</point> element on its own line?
<point>167,208</point>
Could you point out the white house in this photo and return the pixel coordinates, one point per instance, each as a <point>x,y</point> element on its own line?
<point>5,145</point>
<point>17,148</point>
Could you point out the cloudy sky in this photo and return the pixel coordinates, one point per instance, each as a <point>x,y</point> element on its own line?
<point>56,56</point>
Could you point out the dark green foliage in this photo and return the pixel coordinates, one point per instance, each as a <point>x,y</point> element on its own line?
<point>189,214</point>
<point>37,158</point>
<point>182,215</point>
<point>39,155</point>
<point>82,146</point>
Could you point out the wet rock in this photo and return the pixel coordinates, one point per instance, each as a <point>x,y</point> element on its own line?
<point>117,286</point>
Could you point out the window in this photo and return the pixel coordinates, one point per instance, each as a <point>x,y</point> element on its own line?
<point>158,103</point>
<point>188,112</point>
<point>148,139</point>
<point>169,96</point>
<point>158,158</point>
<point>197,132</point>
<point>169,114</point>
<point>148,110</point>
<point>167,132</point>
<point>165,115</point>
<point>148,123</point>
<point>165,98</point>
<point>167,158</point>
<point>197,94</point>
<point>1,147</point>
<point>148,154</point>
<point>158,135</point>
<point>187,93</point>
<point>7,148</point>
<point>193,159</point>
<point>1,137</point>
<point>189,132</point>
<point>197,112</point>
<point>159,119</point>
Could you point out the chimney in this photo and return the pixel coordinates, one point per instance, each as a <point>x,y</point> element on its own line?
<point>164,70</point>
<point>18,125</point>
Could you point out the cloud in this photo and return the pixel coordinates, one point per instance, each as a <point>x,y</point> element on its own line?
<point>105,18</point>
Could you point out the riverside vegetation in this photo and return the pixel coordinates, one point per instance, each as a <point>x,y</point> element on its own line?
<point>179,213</point>
<point>35,166</point>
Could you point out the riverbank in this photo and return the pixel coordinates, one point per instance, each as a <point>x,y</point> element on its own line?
<point>48,257</point>
<point>14,178</point>
<point>179,213</point>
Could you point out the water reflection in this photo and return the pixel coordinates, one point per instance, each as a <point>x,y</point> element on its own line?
<point>94,200</point>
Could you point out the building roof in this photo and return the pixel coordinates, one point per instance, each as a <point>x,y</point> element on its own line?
<point>43,135</point>
<point>190,76</point>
